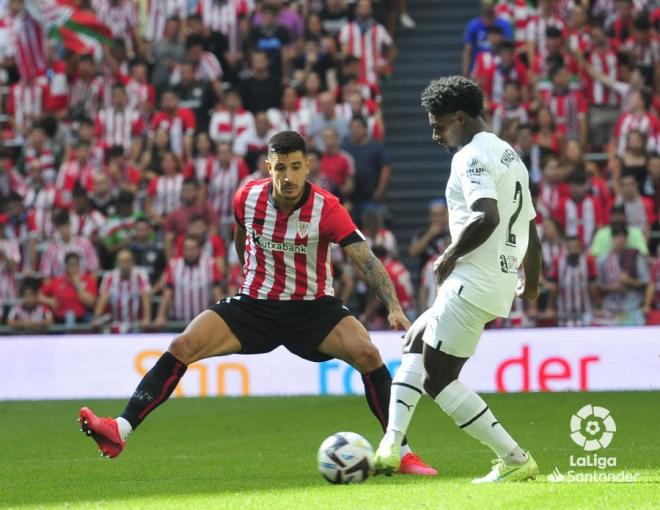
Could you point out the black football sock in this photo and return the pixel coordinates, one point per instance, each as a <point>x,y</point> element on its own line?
<point>377,386</point>
<point>154,389</point>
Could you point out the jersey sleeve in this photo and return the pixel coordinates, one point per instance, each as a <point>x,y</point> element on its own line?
<point>239,209</point>
<point>477,180</point>
<point>339,227</point>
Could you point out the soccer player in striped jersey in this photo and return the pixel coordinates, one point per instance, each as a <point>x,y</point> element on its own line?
<point>491,221</point>
<point>285,226</point>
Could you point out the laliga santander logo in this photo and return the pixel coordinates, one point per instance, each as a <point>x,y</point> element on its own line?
<point>592,428</point>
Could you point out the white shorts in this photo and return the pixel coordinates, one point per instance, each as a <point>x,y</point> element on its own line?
<point>455,325</point>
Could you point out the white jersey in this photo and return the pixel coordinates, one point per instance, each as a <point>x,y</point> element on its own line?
<point>488,167</point>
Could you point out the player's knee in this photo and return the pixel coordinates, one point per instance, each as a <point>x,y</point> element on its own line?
<point>367,358</point>
<point>433,385</point>
<point>184,348</point>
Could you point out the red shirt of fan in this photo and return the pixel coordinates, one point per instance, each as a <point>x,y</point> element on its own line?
<point>63,290</point>
<point>287,257</point>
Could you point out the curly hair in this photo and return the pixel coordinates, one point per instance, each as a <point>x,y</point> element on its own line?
<point>451,94</point>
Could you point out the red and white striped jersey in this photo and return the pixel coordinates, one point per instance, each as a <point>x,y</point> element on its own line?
<point>647,123</point>
<point>574,300</point>
<point>192,286</point>
<point>87,225</point>
<point>44,159</point>
<point>503,113</point>
<point>549,252</point>
<point>498,76</point>
<point>550,197</point>
<point>289,121</point>
<point>40,223</point>
<point>181,124</point>
<point>386,239</point>
<point>115,127</point>
<point>368,111</point>
<point>158,12</point>
<point>223,16</point>
<point>578,40</point>
<point>58,86</point>
<point>646,53</point>
<point>567,110</point>
<point>139,95</point>
<point>30,45</point>
<point>536,30</point>
<point>213,246</point>
<point>11,251</point>
<point>603,62</point>
<point>121,18</point>
<point>38,314</point>
<point>12,182</point>
<point>518,14</point>
<point>287,257</point>
<point>225,126</point>
<point>41,198</point>
<point>7,39</point>
<point>222,185</point>
<point>124,294</point>
<point>402,282</point>
<point>581,219</point>
<point>541,67</point>
<point>250,141</point>
<point>202,168</point>
<point>73,172</point>
<point>89,94</point>
<point>368,47</point>
<point>26,101</point>
<point>52,262</point>
<point>165,190</point>
<point>208,69</point>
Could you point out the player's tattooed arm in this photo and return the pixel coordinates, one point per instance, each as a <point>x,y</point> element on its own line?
<point>239,243</point>
<point>379,281</point>
<point>532,264</point>
<point>484,222</point>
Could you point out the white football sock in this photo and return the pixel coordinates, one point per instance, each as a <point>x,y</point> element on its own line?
<point>471,413</point>
<point>405,394</point>
<point>124,427</point>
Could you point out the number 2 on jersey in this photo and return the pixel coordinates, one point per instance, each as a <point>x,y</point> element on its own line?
<point>517,194</point>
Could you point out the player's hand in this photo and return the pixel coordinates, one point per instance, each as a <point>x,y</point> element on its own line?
<point>443,266</point>
<point>524,291</point>
<point>398,320</point>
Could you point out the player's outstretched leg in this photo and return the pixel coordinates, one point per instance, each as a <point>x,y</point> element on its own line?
<point>207,335</point>
<point>350,342</point>
<point>405,394</point>
<point>471,414</point>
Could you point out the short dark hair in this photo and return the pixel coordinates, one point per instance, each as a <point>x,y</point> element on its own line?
<point>619,230</point>
<point>618,209</point>
<point>79,191</point>
<point>642,23</point>
<point>61,218</point>
<point>71,255</point>
<point>197,217</point>
<point>30,283</point>
<point>506,45</point>
<point>553,32</point>
<point>114,152</point>
<point>125,197</point>
<point>495,29</point>
<point>451,94</point>
<point>577,176</point>
<point>286,142</point>
<point>360,118</point>
<point>194,40</point>
<point>191,181</point>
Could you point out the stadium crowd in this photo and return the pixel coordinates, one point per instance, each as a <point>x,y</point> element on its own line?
<point>118,167</point>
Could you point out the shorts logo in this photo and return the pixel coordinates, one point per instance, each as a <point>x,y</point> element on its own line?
<point>592,428</point>
<point>303,228</point>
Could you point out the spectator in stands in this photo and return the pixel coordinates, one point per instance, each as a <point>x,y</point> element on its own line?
<point>192,284</point>
<point>368,40</point>
<point>196,95</point>
<point>642,46</point>
<point>177,122</point>
<point>255,141</point>
<point>576,33</point>
<point>327,117</point>
<point>39,157</point>
<point>79,170</point>
<point>429,243</point>
<point>337,165</point>
<point>146,251</point>
<point>206,65</point>
<point>622,27</point>
<point>118,229</point>
<point>529,151</point>
<point>290,117</point>
<point>313,59</point>
<point>372,167</point>
<point>72,295</point>
<point>543,26</point>
<point>579,214</point>
<point>261,90</point>
<point>651,307</point>
<point>487,59</point>
<point>274,40</point>
<point>651,185</point>
<point>602,243</point>
<point>123,175</point>
<point>212,244</point>
<point>549,140</point>
<point>10,263</point>
<point>507,68</point>
<point>203,156</point>
<point>510,108</point>
<point>476,39</point>
<point>10,180</point>
<point>334,15</point>
<point>640,118</point>
<point>191,206</point>
<point>164,192</point>
<point>85,220</point>
<point>377,234</point>
<point>125,293</point>
<point>623,276</point>
<point>158,145</point>
<point>639,209</point>
<point>166,52</point>
<point>85,90</point>
<point>427,288</point>
<point>320,179</point>
<point>287,16</point>
<point>102,196</point>
<point>555,51</point>
<point>20,227</point>
<point>231,120</point>
<point>119,125</point>
<point>574,292</point>
<point>141,93</point>
<point>53,263</point>
<point>634,158</point>
<point>29,315</point>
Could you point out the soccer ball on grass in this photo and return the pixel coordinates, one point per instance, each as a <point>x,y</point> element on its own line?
<point>345,457</point>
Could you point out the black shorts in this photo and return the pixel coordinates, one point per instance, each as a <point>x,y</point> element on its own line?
<point>300,326</point>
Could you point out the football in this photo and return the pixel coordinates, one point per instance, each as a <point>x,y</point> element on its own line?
<point>345,457</point>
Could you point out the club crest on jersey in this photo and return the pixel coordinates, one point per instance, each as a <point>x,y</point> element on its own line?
<point>303,228</point>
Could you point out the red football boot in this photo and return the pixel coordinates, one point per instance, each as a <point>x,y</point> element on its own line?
<point>102,430</point>
<point>411,464</point>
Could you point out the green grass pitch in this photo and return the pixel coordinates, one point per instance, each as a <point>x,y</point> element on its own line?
<point>260,453</point>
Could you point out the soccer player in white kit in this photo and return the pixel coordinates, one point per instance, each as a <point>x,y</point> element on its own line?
<point>491,220</point>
